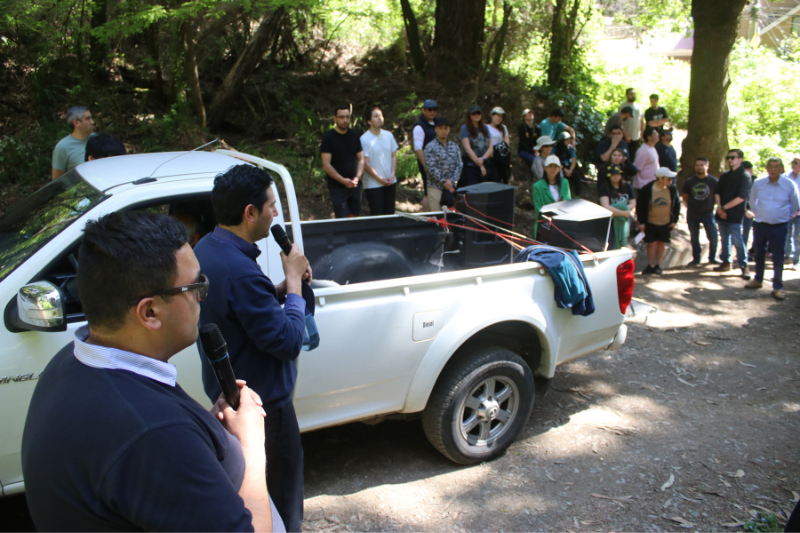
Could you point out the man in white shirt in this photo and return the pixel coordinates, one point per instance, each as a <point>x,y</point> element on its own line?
<point>380,163</point>
<point>634,124</point>
<point>792,248</point>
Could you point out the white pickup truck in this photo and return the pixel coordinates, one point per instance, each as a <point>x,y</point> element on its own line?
<point>403,333</point>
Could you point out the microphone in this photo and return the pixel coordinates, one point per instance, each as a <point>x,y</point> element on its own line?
<point>217,353</point>
<point>279,234</point>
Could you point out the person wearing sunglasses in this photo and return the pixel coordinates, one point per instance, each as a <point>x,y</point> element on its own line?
<point>732,192</point>
<point>111,441</point>
<point>792,249</point>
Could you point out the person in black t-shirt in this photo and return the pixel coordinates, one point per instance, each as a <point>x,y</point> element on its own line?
<point>698,194</point>
<point>732,192</point>
<point>656,116</point>
<point>529,131</point>
<point>343,161</point>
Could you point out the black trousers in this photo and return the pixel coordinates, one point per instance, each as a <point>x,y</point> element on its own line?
<point>381,199</point>
<point>346,202</point>
<point>285,465</point>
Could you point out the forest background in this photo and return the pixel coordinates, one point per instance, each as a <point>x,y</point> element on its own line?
<point>264,75</point>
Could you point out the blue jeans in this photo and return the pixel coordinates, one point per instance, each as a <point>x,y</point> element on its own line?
<point>732,231</point>
<point>773,235</point>
<point>747,225</point>
<point>792,248</point>
<point>527,156</point>
<point>711,233</point>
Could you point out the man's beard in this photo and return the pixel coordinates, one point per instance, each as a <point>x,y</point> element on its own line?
<point>631,99</point>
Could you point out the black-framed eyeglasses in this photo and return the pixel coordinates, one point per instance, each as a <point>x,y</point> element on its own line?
<point>201,286</point>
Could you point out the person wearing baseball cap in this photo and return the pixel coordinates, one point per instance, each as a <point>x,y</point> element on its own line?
<point>422,134</point>
<point>476,148</point>
<point>569,162</point>
<point>443,161</point>
<point>544,145</point>
<point>554,188</point>
<point>501,142</point>
<point>617,196</point>
<point>658,208</point>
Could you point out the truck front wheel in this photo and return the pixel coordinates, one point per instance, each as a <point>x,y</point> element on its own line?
<point>479,405</point>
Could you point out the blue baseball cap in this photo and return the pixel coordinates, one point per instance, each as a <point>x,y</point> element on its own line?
<point>430,104</point>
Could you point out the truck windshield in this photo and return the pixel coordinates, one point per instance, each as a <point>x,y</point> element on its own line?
<point>28,226</point>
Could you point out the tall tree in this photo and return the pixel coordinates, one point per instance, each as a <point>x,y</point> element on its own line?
<point>715,27</point>
<point>412,33</point>
<point>250,58</point>
<point>564,36</point>
<point>458,39</point>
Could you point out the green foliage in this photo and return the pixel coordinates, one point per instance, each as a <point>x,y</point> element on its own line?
<point>406,163</point>
<point>26,156</point>
<point>766,523</point>
<point>764,119</point>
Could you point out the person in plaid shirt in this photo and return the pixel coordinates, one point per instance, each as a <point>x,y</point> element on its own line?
<point>443,159</point>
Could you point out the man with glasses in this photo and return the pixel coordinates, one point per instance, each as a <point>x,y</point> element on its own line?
<point>792,248</point>
<point>423,133</point>
<point>775,201</point>
<point>263,339</point>
<point>731,194</point>
<point>111,442</point>
<point>343,161</point>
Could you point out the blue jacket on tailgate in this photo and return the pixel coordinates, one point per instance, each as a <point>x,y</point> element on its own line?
<point>569,279</point>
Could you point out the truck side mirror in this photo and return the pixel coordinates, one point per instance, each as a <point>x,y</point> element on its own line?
<point>40,307</point>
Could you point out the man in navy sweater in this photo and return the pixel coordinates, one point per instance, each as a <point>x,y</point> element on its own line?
<point>263,339</point>
<point>111,441</point>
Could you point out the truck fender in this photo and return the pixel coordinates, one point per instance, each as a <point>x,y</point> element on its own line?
<point>464,326</point>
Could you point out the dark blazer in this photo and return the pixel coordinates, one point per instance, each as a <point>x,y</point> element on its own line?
<point>643,203</point>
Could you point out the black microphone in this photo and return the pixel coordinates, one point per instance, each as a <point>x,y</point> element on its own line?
<point>279,234</point>
<point>217,354</point>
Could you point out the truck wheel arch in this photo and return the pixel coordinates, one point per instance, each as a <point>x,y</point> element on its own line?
<point>519,334</point>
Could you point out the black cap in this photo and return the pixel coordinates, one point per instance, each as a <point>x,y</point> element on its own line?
<point>441,121</point>
<point>614,169</point>
<point>474,108</point>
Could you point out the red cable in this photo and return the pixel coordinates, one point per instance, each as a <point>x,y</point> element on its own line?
<point>485,215</point>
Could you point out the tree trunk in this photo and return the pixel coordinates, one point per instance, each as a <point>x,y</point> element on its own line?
<point>98,50</point>
<point>191,76</point>
<point>245,65</point>
<point>458,40</point>
<point>561,42</point>
<point>151,35</point>
<point>412,32</point>
<point>500,42</point>
<point>715,27</point>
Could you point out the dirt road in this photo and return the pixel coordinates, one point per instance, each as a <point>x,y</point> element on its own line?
<point>694,423</point>
<point>696,420</point>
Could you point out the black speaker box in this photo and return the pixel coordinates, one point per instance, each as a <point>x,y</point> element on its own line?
<point>490,202</point>
<point>581,222</point>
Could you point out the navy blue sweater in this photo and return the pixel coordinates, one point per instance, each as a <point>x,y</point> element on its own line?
<point>110,450</point>
<point>263,339</point>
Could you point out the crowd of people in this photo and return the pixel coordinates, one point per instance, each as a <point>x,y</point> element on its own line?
<point>635,163</point>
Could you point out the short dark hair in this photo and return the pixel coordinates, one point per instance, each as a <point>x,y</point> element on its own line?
<point>235,189</point>
<point>648,131</point>
<point>738,152</point>
<point>123,256</point>
<point>701,159</point>
<point>626,109</point>
<point>747,165</point>
<point>556,112</point>
<point>629,89</point>
<point>775,159</point>
<point>654,96</point>
<point>104,145</point>
<point>368,116</point>
<point>615,127</point>
<point>336,111</point>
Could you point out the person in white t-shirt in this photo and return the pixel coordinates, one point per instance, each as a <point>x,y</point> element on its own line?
<point>380,164</point>
<point>498,133</point>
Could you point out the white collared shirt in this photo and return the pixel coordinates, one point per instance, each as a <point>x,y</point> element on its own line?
<point>97,356</point>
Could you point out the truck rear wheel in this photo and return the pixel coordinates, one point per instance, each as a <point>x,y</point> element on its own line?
<point>479,405</point>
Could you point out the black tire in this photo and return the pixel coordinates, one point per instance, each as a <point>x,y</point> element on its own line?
<point>466,424</point>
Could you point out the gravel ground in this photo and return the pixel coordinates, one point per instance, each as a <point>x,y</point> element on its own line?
<point>693,424</point>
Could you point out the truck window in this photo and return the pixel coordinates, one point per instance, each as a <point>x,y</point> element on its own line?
<point>41,216</point>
